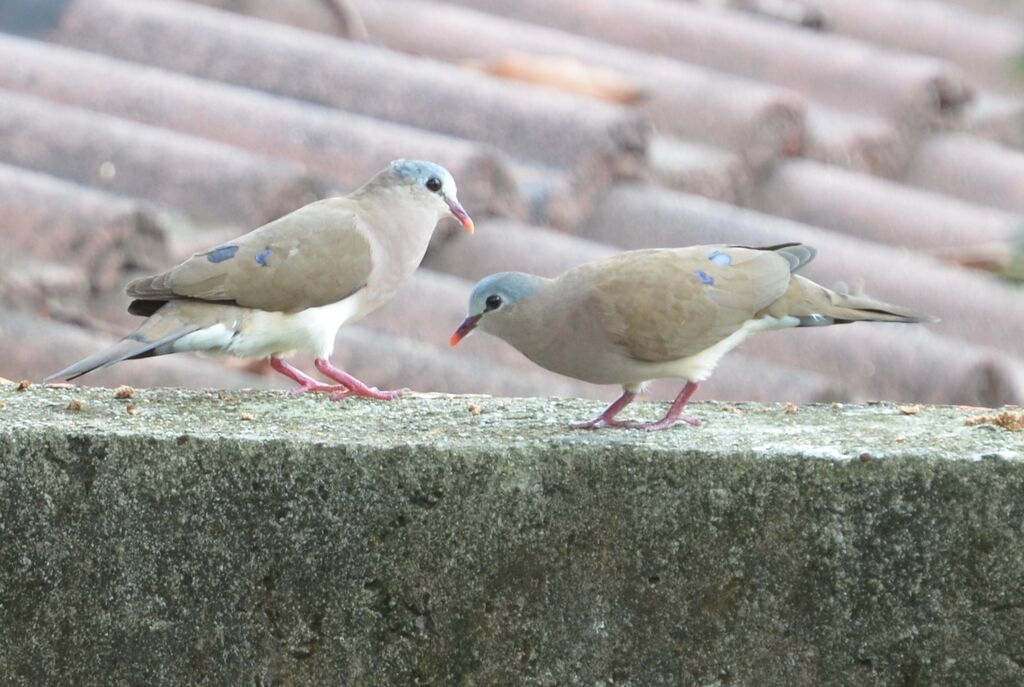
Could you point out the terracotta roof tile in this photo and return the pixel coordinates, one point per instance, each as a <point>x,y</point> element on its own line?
<point>552,197</point>
<point>30,283</point>
<point>757,120</point>
<point>970,168</point>
<point>211,182</point>
<point>880,210</point>
<point>683,100</point>
<point>986,47</point>
<point>742,377</point>
<point>865,143</point>
<point>998,8</point>
<point>898,363</point>
<point>831,69</point>
<point>342,148</point>
<point>339,19</point>
<point>50,219</point>
<point>504,245</point>
<point>555,129</point>
<point>996,117</point>
<point>105,312</point>
<point>699,169</point>
<point>794,12</point>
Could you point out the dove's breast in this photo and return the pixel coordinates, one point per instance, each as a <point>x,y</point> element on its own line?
<point>261,333</point>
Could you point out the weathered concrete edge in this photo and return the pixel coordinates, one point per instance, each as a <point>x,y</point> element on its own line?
<point>211,540</point>
<point>446,422</point>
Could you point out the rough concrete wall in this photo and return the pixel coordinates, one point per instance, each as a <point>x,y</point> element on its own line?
<point>255,538</point>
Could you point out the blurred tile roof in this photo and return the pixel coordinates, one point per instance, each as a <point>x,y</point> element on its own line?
<point>887,133</point>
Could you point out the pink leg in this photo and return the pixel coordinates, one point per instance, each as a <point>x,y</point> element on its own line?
<point>307,383</point>
<point>607,418</point>
<point>674,414</point>
<point>355,387</point>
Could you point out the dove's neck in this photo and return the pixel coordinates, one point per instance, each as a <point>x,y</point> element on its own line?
<point>401,227</point>
<point>528,324</point>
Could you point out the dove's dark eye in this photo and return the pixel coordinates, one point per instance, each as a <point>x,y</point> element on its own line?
<point>433,184</point>
<point>493,302</point>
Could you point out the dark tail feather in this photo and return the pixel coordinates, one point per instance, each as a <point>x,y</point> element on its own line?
<point>796,254</point>
<point>128,348</point>
<point>823,306</point>
<point>815,306</point>
<point>848,308</point>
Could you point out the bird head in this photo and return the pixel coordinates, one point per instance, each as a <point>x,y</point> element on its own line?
<point>433,184</point>
<point>494,301</point>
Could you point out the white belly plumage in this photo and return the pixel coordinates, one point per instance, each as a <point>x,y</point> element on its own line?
<point>258,333</point>
<point>697,368</point>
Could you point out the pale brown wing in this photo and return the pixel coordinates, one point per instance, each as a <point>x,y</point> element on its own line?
<point>314,256</point>
<point>666,304</point>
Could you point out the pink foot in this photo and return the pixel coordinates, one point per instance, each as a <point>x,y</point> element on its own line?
<point>326,388</point>
<point>674,414</point>
<point>598,423</point>
<point>307,383</point>
<point>607,418</point>
<point>354,386</point>
<point>385,395</point>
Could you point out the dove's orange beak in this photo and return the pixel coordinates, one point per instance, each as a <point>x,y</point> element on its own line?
<point>459,213</point>
<point>468,325</point>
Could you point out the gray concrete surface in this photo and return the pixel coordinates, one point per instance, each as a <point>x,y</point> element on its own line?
<point>254,538</point>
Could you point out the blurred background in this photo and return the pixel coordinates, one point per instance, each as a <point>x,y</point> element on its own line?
<point>889,134</point>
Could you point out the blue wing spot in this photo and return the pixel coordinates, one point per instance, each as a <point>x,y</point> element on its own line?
<point>261,257</point>
<point>720,258</point>
<point>221,254</point>
<point>704,277</point>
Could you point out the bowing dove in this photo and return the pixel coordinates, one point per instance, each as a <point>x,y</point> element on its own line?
<point>648,314</point>
<point>290,284</point>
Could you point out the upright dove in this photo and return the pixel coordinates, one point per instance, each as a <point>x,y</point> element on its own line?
<point>651,314</point>
<point>292,283</point>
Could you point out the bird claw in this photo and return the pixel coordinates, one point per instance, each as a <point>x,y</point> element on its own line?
<point>339,391</point>
<point>356,387</point>
<point>388,395</point>
<point>597,423</point>
<point>656,426</point>
<point>661,424</point>
<point>338,395</point>
<point>327,388</point>
<point>370,392</point>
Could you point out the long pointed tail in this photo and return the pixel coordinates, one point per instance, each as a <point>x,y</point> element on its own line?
<point>814,305</point>
<point>133,346</point>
